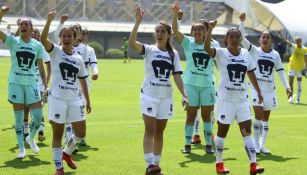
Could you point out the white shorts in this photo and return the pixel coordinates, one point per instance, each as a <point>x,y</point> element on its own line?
<point>226,112</point>
<point>159,108</point>
<point>269,99</point>
<point>65,111</point>
<point>297,74</point>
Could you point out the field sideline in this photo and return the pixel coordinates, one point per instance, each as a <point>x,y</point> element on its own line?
<point>115,133</point>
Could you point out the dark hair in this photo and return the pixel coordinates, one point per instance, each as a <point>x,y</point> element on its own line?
<point>84,30</point>
<point>168,43</point>
<point>197,24</point>
<point>36,29</point>
<point>67,28</point>
<point>204,22</point>
<point>78,25</point>
<point>231,29</point>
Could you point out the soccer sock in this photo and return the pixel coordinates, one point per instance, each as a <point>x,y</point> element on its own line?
<point>157,159</point>
<point>257,132</point>
<point>42,126</point>
<point>196,124</point>
<point>264,135</point>
<point>72,144</point>
<point>250,148</point>
<point>299,90</point>
<point>37,118</point>
<point>68,133</point>
<point>57,157</point>
<point>149,159</point>
<point>19,115</point>
<point>208,132</point>
<point>219,149</point>
<point>188,134</point>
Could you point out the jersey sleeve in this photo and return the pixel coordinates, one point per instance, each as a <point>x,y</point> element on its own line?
<point>177,65</point>
<point>147,50</point>
<point>185,42</point>
<point>9,41</point>
<point>40,52</point>
<point>82,73</point>
<point>251,66</point>
<point>278,63</point>
<point>53,52</point>
<point>46,57</point>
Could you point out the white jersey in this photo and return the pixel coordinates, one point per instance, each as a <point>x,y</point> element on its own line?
<point>46,60</point>
<point>158,68</point>
<point>66,70</point>
<point>267,64</point>
<point>232,86</point>
<point>82,50</point>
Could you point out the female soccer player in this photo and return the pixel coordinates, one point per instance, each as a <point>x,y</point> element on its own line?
<point>64,102</point>
<point>267,61</point>
<point>40,85</point>
<point>156,93</point>
<point>297,65</point>
<point>233,63</point>
<point>198,80</point>
<point>22,89</point>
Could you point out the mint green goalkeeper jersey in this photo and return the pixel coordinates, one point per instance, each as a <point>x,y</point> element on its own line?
<point>23,58</point>
<point>199,65</point>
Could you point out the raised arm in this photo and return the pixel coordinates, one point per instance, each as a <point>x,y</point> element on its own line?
<point>135,45</point>
<point>59,27</point>
<point>246,44</point>
<point>284,39</point>
<point>178,34</point>
<point>3,11</point>
<point>207,43</point>
<point>46,43</point>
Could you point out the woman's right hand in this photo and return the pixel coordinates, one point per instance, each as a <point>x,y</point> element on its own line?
<point>51,15</point>
<point>139,14</point>
<point>176,8</point>
<point>242,17</point>
<point>4,9</point>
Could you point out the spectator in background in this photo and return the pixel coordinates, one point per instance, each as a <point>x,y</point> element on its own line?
<point>125,50</point>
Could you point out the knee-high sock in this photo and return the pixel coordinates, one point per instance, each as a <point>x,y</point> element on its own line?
<point>19,115</point>
<point>72,144</point>
<point>188,134</point>
<point>57,157</point>
<point>250,148</point>
<point>196,124</point>
<point>264,135</point>
<point>257,133</point>
<point>37,119</point>
<point>68,132</point>
<point>149,159</point>
<point>219,149</point>
<point>208,132</point>
<point>299,90</point>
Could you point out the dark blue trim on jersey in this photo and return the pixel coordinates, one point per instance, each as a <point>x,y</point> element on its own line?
<point>214,53</point>
<point>93,62</point>
<point>87,62</point>
<point>252,70</point>
<point>250,47</point>
<point>178,72</point>
<point>47,62</point>
<point>279,69</point>
<point>50,49</point>
<point>143,50</point>
<point>83,77</point>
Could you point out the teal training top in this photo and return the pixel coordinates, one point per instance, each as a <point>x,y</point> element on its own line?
<point>23,58</point>
<point>199,65</point>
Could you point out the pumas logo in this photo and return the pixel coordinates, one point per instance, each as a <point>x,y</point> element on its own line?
<point>162,69</point>
<point>236,73</point>
<point>25,60</point>
<point>149,110</point>
<point>222,117</point>
<point>254,100</point>
<point>57,116</point>
<point>201,60</point>
<point>68,72</point>
<point>265,67</point>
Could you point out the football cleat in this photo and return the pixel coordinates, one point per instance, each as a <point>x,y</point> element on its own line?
<point>152,170</point>
<point>187,149</point>
<point>71,163</point>
<point>209,149</point>
<point>221,169</point>
<point>255,169</point>
<point>32,144</point>
<point>59,171</point>
<point>196,139</point>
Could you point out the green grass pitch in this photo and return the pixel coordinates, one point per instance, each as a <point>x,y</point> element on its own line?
<point>115,133</point>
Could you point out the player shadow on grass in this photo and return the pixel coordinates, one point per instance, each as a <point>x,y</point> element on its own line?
<point>9,128</point>
<point>79,156</point>
<point>39,144</point>
<point>29,161</point>
<point>204,158</point>
<point>302,104</point>
<point>272,157</point>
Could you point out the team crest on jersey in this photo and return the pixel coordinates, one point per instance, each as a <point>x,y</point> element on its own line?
<point>149,110</point>
<point>222,117</point>
<point>57,116</point>
<point>265,67</point>
<point>162,69</point>
<point>68,72</point>
<point>201,60</point>
<point>25,59</point>
<point>236,73</point>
